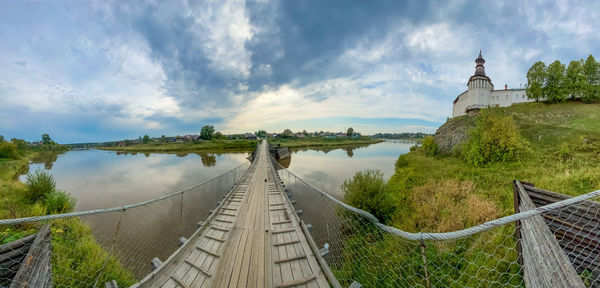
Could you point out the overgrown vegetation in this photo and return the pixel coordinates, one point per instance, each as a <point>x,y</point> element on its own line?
<point>77,256</point>
<point>213,146</point>
<point>310,142</point>
<point>441,193</point>
<point>429,146</point>
<point>495,138</point>
<point>366,190</point>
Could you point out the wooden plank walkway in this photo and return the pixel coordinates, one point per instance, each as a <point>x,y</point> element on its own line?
<point>253,239</point>
<point>544,262</point>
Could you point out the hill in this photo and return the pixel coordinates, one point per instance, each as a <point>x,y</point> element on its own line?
<point>439,193</point>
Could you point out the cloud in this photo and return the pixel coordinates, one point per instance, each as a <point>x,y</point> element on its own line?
<point>120,69</point>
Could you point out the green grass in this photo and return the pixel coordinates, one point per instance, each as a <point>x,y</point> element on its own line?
<point>310,142</point>
<point>563,156</point>
<point>442,193</point>
<point>77,256</point>
<point>212,146</point>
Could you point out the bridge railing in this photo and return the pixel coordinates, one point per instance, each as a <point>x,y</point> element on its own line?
<point>90,248</point>
<point>357,247</point>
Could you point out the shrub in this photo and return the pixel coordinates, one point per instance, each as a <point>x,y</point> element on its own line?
<point>39,183</point>
<point>494,138</point>
<point>59,201</point>
<point>367,191</point>
<point>8,150</point>
<point>449,206</point>
<point>401,162</point>
<point>429,146</point>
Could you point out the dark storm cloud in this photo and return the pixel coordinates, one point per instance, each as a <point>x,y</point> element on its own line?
<point>119,69</point>
<point>301,40</point>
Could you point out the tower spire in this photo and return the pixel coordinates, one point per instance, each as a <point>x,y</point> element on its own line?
<point>479,68</point>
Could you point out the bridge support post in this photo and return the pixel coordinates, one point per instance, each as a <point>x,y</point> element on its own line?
<point>425,263</point>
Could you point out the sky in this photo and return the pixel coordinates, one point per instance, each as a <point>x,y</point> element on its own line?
<point>88,71</point>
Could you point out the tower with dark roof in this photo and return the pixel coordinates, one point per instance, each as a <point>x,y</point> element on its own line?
<point>481,94</point>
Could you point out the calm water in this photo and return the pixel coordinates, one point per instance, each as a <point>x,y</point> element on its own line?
<point>103,179</point>
<point>327,169</point>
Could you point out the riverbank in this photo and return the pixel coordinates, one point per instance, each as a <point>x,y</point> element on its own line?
<point>71,238</point>
<point>197,146</point>
<point>443,192</point>
<point>317,142</point>
<point>562,154</point>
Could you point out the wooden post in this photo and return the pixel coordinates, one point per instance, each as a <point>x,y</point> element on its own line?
<point>517,223</point>
<point>425,263</point>
<point>36,269</point>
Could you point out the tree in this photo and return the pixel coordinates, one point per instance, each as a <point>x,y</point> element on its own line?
<point>146,139</point>
<point>261,133</point>
<point>555,80</point>
<point>46,139</point>
<point>591,71</point>
<point>305,133</point>
<point>536,79</point>
<point>1,138</point>
<point>575,80</point>
<point>287,133</point>
<point>350,132</point>
<point>367,191</point>
<point>207,132</point>
<point>219,136</point>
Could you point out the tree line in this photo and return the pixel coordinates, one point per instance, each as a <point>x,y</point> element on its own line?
<point>555,83</point>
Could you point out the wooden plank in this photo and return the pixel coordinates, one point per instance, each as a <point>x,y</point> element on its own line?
<point>297,282</point>
<point>322,264</point>
<point>300,255</point>
<point>282,231</point>
<point>215,238</point>
<point>289,259</point>
<point>179,282</point>
<point>14,245</point>
<point>286,242</point>
<point>283,222</point>
<point>198,268</point>
<point>254,252</point>
<point>219,228</point>
<point>545,264</point>
<point>36,263</point>
<point>208,252</point>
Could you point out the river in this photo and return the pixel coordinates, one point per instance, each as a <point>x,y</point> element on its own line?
<point>104,179</point>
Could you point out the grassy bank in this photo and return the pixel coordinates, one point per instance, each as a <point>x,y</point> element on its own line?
<point>314,142</point>
<point>442,193</point>
<point>78,257</point>
<point>563,155</point>
<point>197,146</point>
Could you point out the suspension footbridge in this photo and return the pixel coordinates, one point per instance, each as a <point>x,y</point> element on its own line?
<point>260,225</point>
<point>252,239</point>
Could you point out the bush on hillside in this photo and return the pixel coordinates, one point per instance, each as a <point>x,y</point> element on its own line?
<point>450,205</point>
<point>367,191</point>
<point>494,138</point>
<point>429,146</point>
<point>8,150</point>
<point>59,201</point>
<point>39,183</point>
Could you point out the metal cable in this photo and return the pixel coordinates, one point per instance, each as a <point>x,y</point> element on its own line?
<point>100,211</point>
<point>455,234</point>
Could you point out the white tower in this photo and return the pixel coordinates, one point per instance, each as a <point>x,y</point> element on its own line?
<point>480,87</point>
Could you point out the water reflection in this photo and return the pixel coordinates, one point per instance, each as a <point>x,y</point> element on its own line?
<point>102,179</point>
<point>327,168</point>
